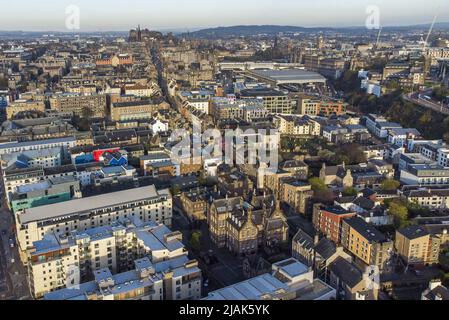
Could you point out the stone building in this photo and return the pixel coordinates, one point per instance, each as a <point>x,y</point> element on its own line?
<point>244,227</point>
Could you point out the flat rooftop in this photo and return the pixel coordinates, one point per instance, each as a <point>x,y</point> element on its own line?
<point>67,208</point>
<point>154,238</point>
<point>25,144</point>
<point>33,187</point>
<point>292,267</point>
<point>251,289</point>
<point>289,76</point>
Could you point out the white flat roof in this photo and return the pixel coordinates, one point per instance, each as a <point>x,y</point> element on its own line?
<point>290,76</point>
<point>87,204</point>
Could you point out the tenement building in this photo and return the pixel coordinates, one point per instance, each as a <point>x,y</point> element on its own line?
<point>244,227</point>
<point>80,105</point>
<point>61,267</point>
<point>145,203</point>
<point>175,279</point>
<point>134,110</point>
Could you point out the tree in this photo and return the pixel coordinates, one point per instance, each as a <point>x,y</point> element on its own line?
<point>321,193</point>
<point>414,210</point>
<point>390,185</point>
<point>393,84</point>
<point>399,211</point>
<point>352,153</point>
<point>175,190</point>
<point>349,82</point>
<point>317,184</point>
<point>326,154</point>
<point>426,118</point>
<point>440,93</point>
<point>287,143</point>
<point>87,113</point>
<point>195,240</point>
<point>350,191</point>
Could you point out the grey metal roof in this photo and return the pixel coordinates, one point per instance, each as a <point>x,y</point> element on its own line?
<point>35,143</point>
<point>414,232</point>
<point>346,272</point>
<point>325,248</point>
<point>290,76</point>
<point>367,231</point>
<point>62,209</point>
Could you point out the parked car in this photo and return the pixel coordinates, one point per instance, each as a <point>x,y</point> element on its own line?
<point>12,242</point>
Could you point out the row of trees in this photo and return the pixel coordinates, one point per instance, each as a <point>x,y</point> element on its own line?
<point>350,153</point>
<point>440,93</point>
<point>431,124</point>
<point>321,191</point>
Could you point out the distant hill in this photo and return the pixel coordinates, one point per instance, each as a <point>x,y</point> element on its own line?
<point>271,30</point>
<point>250,30</point>
<point>226,32</point>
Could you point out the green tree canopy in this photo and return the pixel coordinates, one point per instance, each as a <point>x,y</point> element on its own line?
<point>348,192</point>
<point>399,211</point>
<point>352,153</point>
<point>175,190</point>
<point>317,184</point>
<point>195,240</point>
<point>390,184</point>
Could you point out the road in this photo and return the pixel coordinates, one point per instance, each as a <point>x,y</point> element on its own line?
<point>13,275</point>
<point>4,288</point>
<point>414,98</point>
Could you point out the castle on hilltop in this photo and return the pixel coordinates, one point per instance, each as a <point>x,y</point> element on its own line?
<point>139,35</point>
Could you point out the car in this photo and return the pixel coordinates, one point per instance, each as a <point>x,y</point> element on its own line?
<point>417,272</point>
<point>11,242</point>
<point>3,232</point>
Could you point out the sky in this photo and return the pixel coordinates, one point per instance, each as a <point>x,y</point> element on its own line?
<point>183,15</point>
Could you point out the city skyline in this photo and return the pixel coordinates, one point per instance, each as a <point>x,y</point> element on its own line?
<point>244,151</point>
<point>51,16</point>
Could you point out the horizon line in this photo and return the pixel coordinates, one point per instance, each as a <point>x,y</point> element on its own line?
<point>194,29</point>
